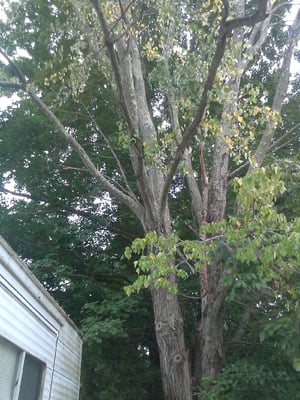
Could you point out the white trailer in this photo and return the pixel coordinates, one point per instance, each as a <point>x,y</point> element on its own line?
<point>40,347</point>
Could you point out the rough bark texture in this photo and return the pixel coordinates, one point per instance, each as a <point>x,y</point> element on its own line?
<point>174,359</point>
<point>174,363</point>
<point>210,327</point>
<point>212,346</point>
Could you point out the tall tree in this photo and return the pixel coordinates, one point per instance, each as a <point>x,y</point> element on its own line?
<point>191,119</point>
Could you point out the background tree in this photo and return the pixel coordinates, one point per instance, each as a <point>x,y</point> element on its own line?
<point>179,80</point>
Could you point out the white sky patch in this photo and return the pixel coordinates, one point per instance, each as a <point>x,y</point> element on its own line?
<point>6,102</point>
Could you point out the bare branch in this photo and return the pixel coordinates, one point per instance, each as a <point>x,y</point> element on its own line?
<point>257,38</point>
<point>114,61</point>
<point>190,131</point>
<point>116,158</point>
<point>67,167</point>
<point>101,223</point>
<point>249,20</point>
<point>11,85</point>
<point>195,194</point>
<point>130,201</point>
<point>186,262</point>
<point>238,170</point>
<point>15,68</point>
<point>284,139</point>
<point>24,195</point>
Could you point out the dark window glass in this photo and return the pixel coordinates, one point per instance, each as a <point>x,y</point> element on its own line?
<point>31,379</point>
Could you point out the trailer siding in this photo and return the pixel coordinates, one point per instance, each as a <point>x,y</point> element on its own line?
<point>33,322</point>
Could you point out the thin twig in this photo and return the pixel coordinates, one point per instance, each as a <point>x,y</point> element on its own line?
<point>116,158</point>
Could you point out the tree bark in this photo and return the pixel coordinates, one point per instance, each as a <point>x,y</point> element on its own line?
<point>209,329</point>
<point>174,358</point>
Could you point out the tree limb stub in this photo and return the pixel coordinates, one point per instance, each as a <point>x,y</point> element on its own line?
<point>249,20</point>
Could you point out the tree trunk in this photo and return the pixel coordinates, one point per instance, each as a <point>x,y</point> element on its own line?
<point>208,334</point>
<point>212,321</point>
<point>174,359</point>
<point>209,330</point>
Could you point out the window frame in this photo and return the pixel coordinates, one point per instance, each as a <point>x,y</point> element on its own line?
<point>20,370</point>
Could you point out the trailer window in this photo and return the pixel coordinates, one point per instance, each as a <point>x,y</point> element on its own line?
<point>20,373</point>
<point>31,379</point>
<point>8,368</point>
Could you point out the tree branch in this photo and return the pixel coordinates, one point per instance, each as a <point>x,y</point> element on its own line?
<point>195,194</point>
<point>130,202</point>
<point>256,39</point>
<point>15,68</point>
<point>190,131</point>
<point>284,139</point>
<point>122,232</point>
<point>277,145</point>
<point>11,85</point>
<point>24,195</point>
<point>121,169</point>
<point>281,91</point>
<point>249,20</point>
<point>114,61</point>
<point>226,28</point>
<point>126,65</point>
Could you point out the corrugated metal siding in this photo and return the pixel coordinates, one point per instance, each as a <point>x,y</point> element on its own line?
<point>31,320</point>
<point>46,383</point>
<point>67,363</point>
<point>22,328</point>
<point>70,339</point>
<point>20,292</point>
<point>63,389</point>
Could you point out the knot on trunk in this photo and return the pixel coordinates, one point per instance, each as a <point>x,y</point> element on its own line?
<point>177,358</point>
<point>158,326</point>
